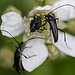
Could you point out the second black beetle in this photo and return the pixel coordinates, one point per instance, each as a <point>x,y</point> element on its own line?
<point>36,24</point>
<point>18,52</point>
<point>50,18</point>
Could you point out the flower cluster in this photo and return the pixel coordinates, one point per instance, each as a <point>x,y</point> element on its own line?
<point>15,24</point>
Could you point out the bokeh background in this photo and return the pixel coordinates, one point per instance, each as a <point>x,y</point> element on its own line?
<point>64,66</point>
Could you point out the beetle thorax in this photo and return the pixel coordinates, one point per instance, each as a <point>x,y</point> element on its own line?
<point>21,44</point>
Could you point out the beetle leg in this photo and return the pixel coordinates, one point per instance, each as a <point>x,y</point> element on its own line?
<point>34,16</point>
<point>28,57</point>
<point>53,15</point>
<point>64,37</point>
<point>25,56</point>
<point>64,34</point>
<point>27,47</point>
<point>11,43</point>
<point>57,19</point>
<point>22,67</point>
<point>40,30</point>
<point>44,24</point>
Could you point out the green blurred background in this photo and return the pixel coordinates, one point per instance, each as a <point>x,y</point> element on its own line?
<point>65,66</point>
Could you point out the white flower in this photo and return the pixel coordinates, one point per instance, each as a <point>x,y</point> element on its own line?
<point>47,7</point>
<point>61,45</point>
<point>37,52</point>
<point>66,12</point>
<point>13,23</point>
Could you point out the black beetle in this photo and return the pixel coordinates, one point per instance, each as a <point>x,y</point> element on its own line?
<point>53,25</point>
<point>36,24</point>
<point>51,19</point>
<point>17,54</point>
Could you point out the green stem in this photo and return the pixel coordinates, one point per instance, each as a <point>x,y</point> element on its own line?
<point>40,2</point>
<point>43,4</point>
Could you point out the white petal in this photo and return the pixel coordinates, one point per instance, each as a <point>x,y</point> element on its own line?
<point>66,12</point>
<point>47,7</point>
<point>37,48</point>
<point>13,23</point>
<point>63,47</point>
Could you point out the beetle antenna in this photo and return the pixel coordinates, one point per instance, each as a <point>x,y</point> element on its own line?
<point>33,38</point>
<point>62,6</point>
<point>11,35</point>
